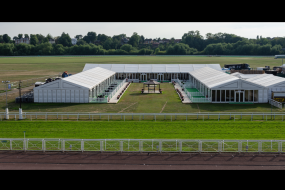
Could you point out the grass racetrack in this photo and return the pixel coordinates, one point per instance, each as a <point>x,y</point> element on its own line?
<point>21,68</point>
<point>240,130</point>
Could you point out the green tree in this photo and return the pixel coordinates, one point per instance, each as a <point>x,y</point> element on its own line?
<point>108,44</point>
<point>134,40</point>
<point>45,40</point>
<point>27,36</point>
<point>20,36</point>
<point>49,36</point>
<point>81,42</point>
<point>65,40</point>
<point>157,50</point>
<point>126,47</point>
<point>34,40</point>
<point>40,37</point>
<point>6,38</point>
<point>102,38</point>
<point>92,36</point>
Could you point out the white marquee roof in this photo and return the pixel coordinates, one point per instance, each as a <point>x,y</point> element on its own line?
<point>245,76</point>
<point>211,77</point>
<point>86,79</point>
<point>267,80</point>
<point>152,68</point>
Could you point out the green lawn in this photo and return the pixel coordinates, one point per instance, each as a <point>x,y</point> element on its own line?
<point>271,130</point>
<point>20,68</point>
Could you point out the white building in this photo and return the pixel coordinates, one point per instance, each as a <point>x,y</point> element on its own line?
<point>73,41</point>
<point>22,40</point>
<point>52,41</point>
<point>78,88</point>
<point>160,72</point>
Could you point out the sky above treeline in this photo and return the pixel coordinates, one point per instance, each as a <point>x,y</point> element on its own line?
<point>147,29</point>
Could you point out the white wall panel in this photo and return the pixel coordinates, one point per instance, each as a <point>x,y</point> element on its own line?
<point>53,95</point>
<point>36,96</point>
<point>58,95</point>
<point>63,96</point>
<point>71,95</point>
<point>81,99</point>
<point>49,96</point>
<point>45,93</point>
<point>76,96</point>
<point>67,96</point>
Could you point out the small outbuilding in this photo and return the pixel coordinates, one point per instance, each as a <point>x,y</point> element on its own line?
<point>149,87</point>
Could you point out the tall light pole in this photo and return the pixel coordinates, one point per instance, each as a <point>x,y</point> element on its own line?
<point>20,109</point>
<point>6,110</point>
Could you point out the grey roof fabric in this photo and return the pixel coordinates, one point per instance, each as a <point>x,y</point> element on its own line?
<point>152,68</point>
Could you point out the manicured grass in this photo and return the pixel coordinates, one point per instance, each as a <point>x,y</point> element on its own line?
<point>20,68</point>
<point>271,130</point>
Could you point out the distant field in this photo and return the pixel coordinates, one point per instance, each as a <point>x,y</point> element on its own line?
<point>135,102</point>
<point>20,68</point>
<point>245,130</point>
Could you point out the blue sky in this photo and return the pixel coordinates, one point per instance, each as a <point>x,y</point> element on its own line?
<point>147,29</point>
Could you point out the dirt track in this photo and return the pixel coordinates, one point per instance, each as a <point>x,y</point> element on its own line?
<point>10,160</point>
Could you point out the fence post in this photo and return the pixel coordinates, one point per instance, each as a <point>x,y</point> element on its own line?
<point>241,116</point>
<point>63,145</point>
<point>101,146</point>
<point>180,146</point>
<point>171,117</point>
<point>186,117</point>
<point>219,117</point>
<point>24,145</point>
<point>43,145</point>
<point>200,146</point>
<point>121,146</point>
<point>251,117</point>
<point>82,145</point>
<point>124,117</point>
<point>160,146</point>
<point>240,146</point>
<point>56,115</point>
<point>11,144</point>
<point>259,147</point>
<point>154,117</point>
<point>108,117</point>
<point>220,146</point>
<point>234,118</point>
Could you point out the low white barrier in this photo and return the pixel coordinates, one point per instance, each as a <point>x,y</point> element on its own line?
<point>141,145</point>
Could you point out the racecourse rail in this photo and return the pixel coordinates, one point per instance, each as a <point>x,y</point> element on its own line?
<point>142,145</point>
<point>140,116</point>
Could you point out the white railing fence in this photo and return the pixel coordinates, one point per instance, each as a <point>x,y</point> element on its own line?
<point>160,116</point>
<point>108,95</point>
<point>142,145</point>
<point>275,103</point>
<point>119,85</point>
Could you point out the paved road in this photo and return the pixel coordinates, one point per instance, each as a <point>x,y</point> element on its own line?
<point>13,160</point>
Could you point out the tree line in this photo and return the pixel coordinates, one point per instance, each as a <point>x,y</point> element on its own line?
<point>192,43</point>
